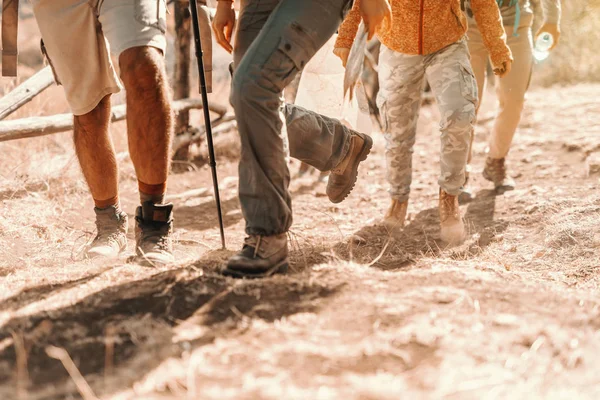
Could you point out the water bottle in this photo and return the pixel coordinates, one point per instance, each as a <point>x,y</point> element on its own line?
<point>541,50</point>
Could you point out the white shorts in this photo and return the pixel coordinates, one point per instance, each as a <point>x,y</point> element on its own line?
<point>79,36</point>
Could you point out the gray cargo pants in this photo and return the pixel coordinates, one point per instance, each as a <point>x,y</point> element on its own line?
<point>274,40</point>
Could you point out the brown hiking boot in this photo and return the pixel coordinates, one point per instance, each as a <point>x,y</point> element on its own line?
<point>261,256</point>
<point>154,226</point>
<point>396,214</point>
<point>495,171</point>
<point>452,227</point>
<point>111,238</point>
<point>343,177</point>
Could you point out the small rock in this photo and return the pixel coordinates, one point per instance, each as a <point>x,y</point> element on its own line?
<point>506,320</point>
<point>532,209</point>
<point>570,147</point>
<point>593,165</point>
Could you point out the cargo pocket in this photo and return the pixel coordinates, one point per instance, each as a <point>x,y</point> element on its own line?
<point>468,84</point>
<point>293,52</point>
<point>151,13</point>
<point>45,53</point>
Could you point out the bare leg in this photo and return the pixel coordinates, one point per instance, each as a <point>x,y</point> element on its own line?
<point>96,154</point>
<point>149,117</point>
<point>149,129</point>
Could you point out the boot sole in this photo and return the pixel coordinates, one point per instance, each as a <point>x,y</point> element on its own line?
<point>281,268</point>
<point>98,256</point>
<point>364,153</point>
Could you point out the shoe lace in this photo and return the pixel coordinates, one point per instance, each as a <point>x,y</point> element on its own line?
<point>253,241</point>
<point>447,207</point>
<point>156,235</point>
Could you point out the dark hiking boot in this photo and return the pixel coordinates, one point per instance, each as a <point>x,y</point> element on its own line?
<point>396,214</point>
<point>495,172</point>
<point>343,177</point>
<point>452,227</point>
<point>153,230</point>
<point>261,256</point>
<point>111,238</point>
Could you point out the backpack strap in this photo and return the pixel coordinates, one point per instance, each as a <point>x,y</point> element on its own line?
<point>10,25</point>
<point>512,3</point>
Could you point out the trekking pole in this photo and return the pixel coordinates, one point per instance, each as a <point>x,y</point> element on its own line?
<point>203,91</point>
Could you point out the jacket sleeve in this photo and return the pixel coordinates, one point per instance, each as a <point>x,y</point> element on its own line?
<point>489,22</point>
<point>349,27</point>
<point>552,11</point>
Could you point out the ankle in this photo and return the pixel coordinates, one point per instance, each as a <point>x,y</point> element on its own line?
<point>152,193</point>
<point>107,203</point>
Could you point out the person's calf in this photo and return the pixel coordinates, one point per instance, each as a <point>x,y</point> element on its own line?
<point>96,154</point>
<point>149,114</point>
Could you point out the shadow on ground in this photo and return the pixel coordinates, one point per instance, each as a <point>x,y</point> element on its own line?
<point>142,316</point>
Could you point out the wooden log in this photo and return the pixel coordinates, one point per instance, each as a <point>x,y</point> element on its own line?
<point>41,126</point>
<point>25,92</point>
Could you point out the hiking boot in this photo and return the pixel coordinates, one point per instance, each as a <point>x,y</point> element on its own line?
<point>111,238</point>
<point>495,171</point>
<point>396,214</point>
<point>261,256</point>
<point>452,227</point>
<point>343,177</point>
<point>153,229</point>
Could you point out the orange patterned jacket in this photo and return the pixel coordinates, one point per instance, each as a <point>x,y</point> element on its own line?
<point>426,26</point>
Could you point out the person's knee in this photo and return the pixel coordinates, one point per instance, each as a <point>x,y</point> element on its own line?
<point>511,103</point>
<point>461,117</point>
<point>95,120</point>
<point>246,91</point>
<point>142,68</point>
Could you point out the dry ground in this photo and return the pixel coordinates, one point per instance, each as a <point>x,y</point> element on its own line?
<point>365,314</point>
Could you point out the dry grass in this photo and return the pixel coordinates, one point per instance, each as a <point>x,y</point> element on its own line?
<point>366,314</point>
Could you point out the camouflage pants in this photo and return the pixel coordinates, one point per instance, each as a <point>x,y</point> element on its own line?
<point>452,82</point>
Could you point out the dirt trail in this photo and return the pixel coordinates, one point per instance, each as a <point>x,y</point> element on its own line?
<point>513,312</point>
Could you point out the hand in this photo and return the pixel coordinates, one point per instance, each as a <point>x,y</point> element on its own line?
<point>504,70</point>
<point>552,29</point>
<point>375,13</point>
<point>224,23</point>
<point>342,53</point>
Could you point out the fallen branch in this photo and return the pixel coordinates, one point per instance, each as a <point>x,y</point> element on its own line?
<point>82,386</point>
<point>25,92</point>
<point>41,126</point>
<point>21,365</point>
